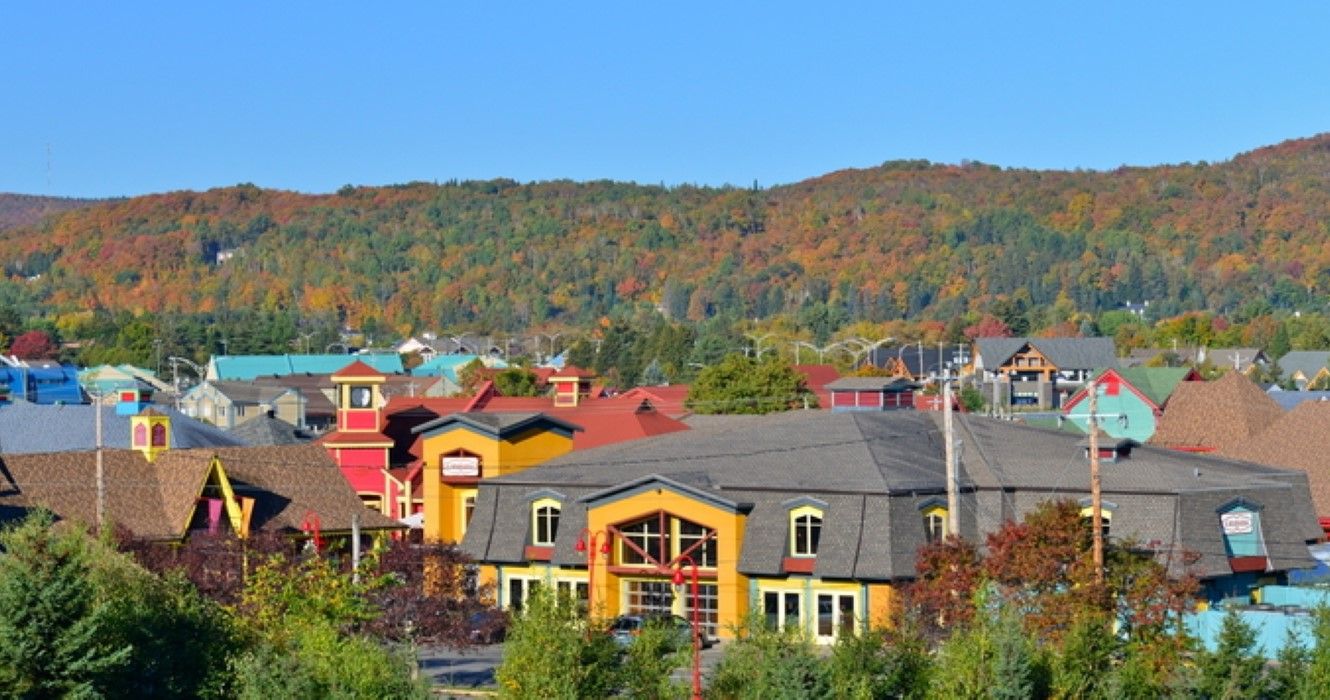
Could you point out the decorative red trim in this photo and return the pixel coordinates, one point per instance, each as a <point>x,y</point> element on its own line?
<point>798,565</point>
<point>649,571</point>
<point>535,553</point>
<point>1248,564</point>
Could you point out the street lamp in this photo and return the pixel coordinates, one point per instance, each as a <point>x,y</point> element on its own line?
<point>757,342</point>
<point>587,544</point>
<point>697,630</point>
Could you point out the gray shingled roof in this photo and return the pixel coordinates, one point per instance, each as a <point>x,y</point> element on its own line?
<point>876,471</point>
<point>495,422</point>
<point>268,430</point>
<point>27,428</point>
<point>1064,353</point>
<point>1308,362</point>
<point>871,384</point>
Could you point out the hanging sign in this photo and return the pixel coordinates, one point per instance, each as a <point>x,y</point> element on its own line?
<point>1240,523</point>
<point>461,466</point>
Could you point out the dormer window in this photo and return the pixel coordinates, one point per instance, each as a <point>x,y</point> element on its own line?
<point>934,512</point>
<point>544,522</point>
<point>805,531</point>
<point>1106,509</point>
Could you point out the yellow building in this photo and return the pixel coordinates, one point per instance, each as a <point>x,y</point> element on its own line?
<point>460,450</point>
<point>812,519</point>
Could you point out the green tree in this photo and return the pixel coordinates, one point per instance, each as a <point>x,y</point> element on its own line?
<point>1235,669</point>
<point>763,663</point>
<point>1082,666</point>
<point>516,381</point>
<point>740,384</point>
<point>55,635</point>
<point>1287,675</point>
<point>550,655</point>
<point>650,661</point>
<point>880,663</point>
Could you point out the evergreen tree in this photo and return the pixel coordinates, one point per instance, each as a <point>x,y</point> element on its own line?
<point>1081,667</point>
<point>1287,676</point>
<point>54,633</point>
<point>547,655</point>
<point>1235,669</point>
<point>741,384</point>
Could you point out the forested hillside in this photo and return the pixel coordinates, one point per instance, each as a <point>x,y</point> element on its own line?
<point>903,240</point>
<point>25,209</point>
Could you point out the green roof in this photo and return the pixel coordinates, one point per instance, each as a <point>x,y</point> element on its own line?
<point>1157,383</point>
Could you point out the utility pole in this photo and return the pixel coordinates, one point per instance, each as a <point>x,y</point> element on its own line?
<point>949,454</point>
<point>1096,498</point>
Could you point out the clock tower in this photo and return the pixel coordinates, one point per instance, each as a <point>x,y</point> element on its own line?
<point>358,445</point>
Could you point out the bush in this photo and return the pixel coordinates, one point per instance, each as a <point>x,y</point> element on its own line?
<point>765,663</point>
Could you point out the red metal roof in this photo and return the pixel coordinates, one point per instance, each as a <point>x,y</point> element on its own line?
<point>818,377</point>
<point>358,369</point>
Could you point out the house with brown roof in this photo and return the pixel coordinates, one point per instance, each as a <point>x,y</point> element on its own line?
<point>1294,442</point>
<point>1215,416</point>
<point>161,493</point>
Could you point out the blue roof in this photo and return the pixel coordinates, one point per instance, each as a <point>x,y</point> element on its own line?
<point>71,428</point>
<point>49,384</point>
<point>448,366</point>
<point>247,367</point>
<point>1289,399</point>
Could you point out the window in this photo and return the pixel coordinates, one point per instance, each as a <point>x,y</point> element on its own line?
<point>805,531</point>
<point>781,609</point>
<point>158,435</point>
<point>660,539</point>
<point>468,509</point>
<point>835,614</point>
<point>359,397</point>
<point>1105,514</point>
<point>649,598</point>
<point>544,522</point>
<point>935,525</point>
<point>572,590</point>
<point>519,589</point>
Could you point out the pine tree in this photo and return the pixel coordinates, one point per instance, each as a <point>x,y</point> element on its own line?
<point>1235,669</point>
<point>52,627</point>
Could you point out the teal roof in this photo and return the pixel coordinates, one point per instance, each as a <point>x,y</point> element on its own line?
<point>448,366</point>
<point>247,367</point>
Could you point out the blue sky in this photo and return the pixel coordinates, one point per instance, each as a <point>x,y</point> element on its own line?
<point>132,98</point>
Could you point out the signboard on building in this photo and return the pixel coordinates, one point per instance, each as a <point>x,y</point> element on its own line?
<point>461,467</point>
<point>1239,523</point>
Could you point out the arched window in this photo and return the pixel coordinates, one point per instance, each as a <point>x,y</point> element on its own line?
<point>544,522</point>
<point>805,531</point>
<point>1106,509</point>
<point>935,525</point>
<point>158,435</point>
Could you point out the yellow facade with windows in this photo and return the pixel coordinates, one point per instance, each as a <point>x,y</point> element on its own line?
<point>449,499</point>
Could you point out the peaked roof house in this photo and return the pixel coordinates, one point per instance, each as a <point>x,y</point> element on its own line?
<point>1041,371</point>
<point>1245,360</point>
<point>813,519</point>
<point>1215,416</point>
<point>1131,400</point>
<point>228,404</point>
<point>1306,368</point>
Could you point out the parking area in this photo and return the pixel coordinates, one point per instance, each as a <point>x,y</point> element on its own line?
<point>473,668</point>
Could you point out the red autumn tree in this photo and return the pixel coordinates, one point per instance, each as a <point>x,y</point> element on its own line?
<point>988,327</point>
<point>33,345</point>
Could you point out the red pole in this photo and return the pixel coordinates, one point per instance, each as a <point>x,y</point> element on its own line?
<point>697,629</point>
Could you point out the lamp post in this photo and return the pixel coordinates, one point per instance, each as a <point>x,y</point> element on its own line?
<point>697,630</point>
<point>587,543</point>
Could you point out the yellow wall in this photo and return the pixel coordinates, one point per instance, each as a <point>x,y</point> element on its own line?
<point>732,587</point>
<point>443,502</point>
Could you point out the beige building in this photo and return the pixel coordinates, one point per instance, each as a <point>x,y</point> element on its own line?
<point>230,404</point>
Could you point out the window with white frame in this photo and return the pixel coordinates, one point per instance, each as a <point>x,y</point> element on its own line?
<point>544,522</point>
<point>805,531</point>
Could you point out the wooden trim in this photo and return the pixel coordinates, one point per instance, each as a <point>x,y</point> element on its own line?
<point>1241,565</point>
<point>536,553</point>
<point>798,565</point>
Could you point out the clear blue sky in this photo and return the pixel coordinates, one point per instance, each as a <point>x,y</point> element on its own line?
<point>133,98</point>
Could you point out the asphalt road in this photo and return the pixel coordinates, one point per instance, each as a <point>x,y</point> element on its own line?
<point>473,668</point>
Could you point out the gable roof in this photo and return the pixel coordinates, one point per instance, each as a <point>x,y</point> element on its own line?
<point>155,499</point>
<point>1295,441</point>
<point>66,428</point>
<point>1215,415</point>
<point>1064,353</point>
<point>268,430</point>
<point>871,384</point>
<point>498,425</point>
<point>357,370</point>
<point>1305,362</point>
<point>243,392</point>
<point>1156,384</point>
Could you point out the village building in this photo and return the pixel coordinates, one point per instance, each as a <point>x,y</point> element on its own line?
<point>1215,416</point>
<point>1130,400</point>
<point>814,519</point>
<point>1038,372</point>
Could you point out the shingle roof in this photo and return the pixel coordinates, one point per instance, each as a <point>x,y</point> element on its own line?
<point>1295,441</point>
<point>155,499</point>
<point>877,470</point>
<point>268,430</point>
<point>246,392</point>
<point>66,428</point>
<point>1215,415</point>
<point>497,424</point>
<point>870,384</point>
<point>1064,353</point>
<point>1288,400</point>
<point>1306,362</point>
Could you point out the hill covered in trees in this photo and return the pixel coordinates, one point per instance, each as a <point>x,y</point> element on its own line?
<point>18,210</point>
<point>908,239</point>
